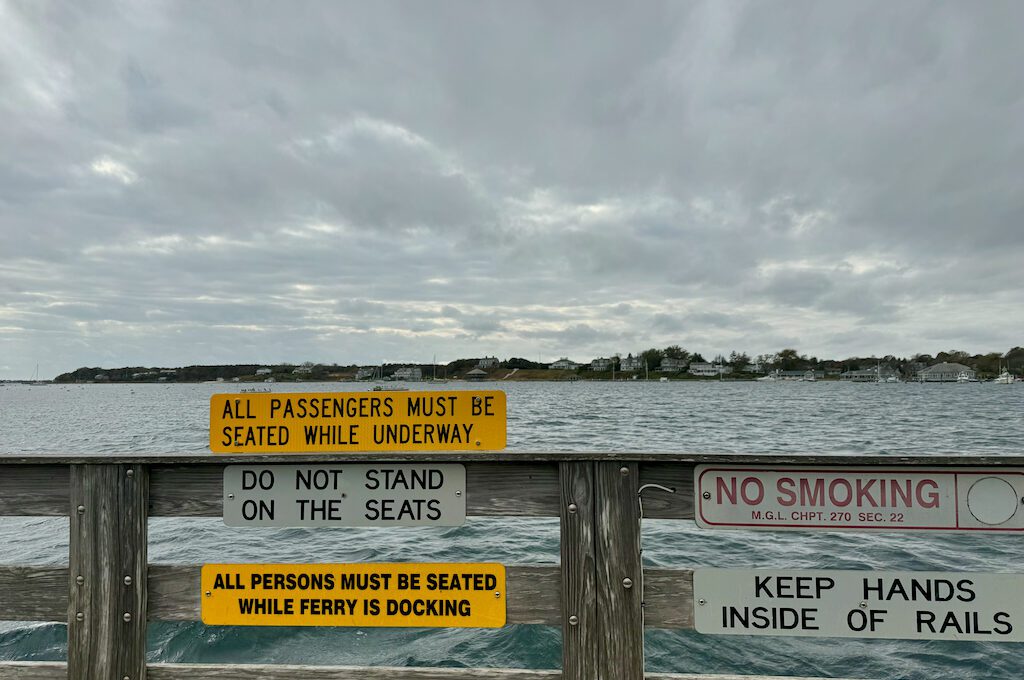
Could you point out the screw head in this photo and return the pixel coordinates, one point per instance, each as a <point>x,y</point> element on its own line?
<point>624,470</point>
<point>231,496</point>
<point>574,620</point>
<point>81,509</point>
<point>458,493</point>
<point>127,580</point>
<point>127,617</point>
<point>863,605</point>
<point>497,594</point>
<point>126,678</point>
<point>79,616</point>
<point>130,472</point>
<point>478,442</point>
<point>702,602</point>
<point>208,593</point>
<point>80,580</point>
<point>572,507</point>
<point>627,583</point>
<point>706,495</point>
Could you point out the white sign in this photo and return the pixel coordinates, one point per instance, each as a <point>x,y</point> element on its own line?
<point>863,499</point>
<point>345,495</point>
<point>918,605</point>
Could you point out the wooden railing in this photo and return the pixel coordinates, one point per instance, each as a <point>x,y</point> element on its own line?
<point>109,591</point>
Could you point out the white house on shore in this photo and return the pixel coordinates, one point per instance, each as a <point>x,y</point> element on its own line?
<point>564,364</point>
<point>631,363</point>
<point>601,364</point>
<point>671,365</point>
<point>706,369</point>
<point>408,373</point>
<point>264,371</point>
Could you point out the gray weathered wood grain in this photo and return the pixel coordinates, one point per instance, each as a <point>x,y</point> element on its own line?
<point>107,572</point>
<point>690,457</point>
<point>617,541</point>
<point>33,490</point>
<point>668,595</point>
<point>33,593</point>
<point>51,670</point>
<point>492,489</point>
<point>660,504</point>
<point>578,601</point>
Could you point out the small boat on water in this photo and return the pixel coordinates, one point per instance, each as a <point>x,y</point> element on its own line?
<point>771,377</point>
<point>1005,378</point>
<point>388,388</point>
<point>965,377</point>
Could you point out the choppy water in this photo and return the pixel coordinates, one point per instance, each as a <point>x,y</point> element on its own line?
<point>706,417</point>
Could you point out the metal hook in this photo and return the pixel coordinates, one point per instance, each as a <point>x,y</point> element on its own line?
<point>639,540</point>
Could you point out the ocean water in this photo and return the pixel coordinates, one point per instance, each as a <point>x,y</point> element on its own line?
<point>696,417</point>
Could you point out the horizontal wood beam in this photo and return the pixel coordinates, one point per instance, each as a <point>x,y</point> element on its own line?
<point>34,490</point>
<point>40,594</point>
<point>692,458</point>
<point>53,670</point>
<point>492,489</point>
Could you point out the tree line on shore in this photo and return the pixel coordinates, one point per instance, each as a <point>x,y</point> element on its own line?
<point>788,359</point>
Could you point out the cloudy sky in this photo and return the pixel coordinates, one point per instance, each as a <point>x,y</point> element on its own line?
<point>224,182</point>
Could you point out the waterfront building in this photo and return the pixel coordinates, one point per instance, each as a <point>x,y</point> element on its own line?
<point>408,373</point>
<point>670,365</point>
<point>870,374</point>
<point>476,375</point>
<point>601,364</point>
<point>564,364</point>
<point>946,372</point>
<point>488,362</point>
<point>631,363</point>
<point>263,371</point>
<point>366,372</point>
<point>706,369</point>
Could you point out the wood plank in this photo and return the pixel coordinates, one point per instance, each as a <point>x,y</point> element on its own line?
<point>107,572</point>
<point>960,460</point>
<point>533,594</point>
<point>493,489</point>
<point>660,504</point>
<point>33,490</point>
<point>619,617</point>
<point>52,670</point>
<point>668,598</point>
<point>290,672</point>
<point>580,642</point>
<point>33,593</point>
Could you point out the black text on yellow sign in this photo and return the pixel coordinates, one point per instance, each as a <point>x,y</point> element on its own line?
<point>450,595</point>
<point>357,421</point>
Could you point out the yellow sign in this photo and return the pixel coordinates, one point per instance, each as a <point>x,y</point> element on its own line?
<point>363,595</point>
<point>357,421</point>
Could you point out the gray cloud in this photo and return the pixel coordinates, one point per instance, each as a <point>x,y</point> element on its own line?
<point>203,182</point>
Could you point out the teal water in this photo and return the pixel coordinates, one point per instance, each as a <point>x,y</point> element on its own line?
<point>706,417</point>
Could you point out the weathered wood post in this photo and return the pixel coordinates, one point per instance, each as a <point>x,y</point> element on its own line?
<point>107,572</point>
<point>617,539</point>
<point>602,623</point>
<point>580,641</point>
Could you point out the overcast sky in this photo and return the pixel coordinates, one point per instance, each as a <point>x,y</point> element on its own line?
<point>219,182</point>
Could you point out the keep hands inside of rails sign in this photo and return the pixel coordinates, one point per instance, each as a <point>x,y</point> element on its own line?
<point>365,595</point>
<point>457,420</point>
<point>863,604</point>
<point>345,495</point>
<point>879,498</point>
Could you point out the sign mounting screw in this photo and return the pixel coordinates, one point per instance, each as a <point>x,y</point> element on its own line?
<point>458,493</point>
<point>79,616</point>
<point>863,605</point>
<point>81,509</point>
<point>231,496</point>
<point>702,602</point>
<point>497,594</point>
<point>574,620</point>
<point>706,495</point>
<point>208,593</point>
